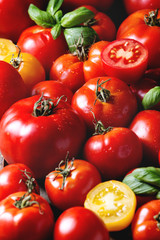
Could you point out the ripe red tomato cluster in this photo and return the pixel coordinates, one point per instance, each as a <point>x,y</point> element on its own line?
<point>80,105</point>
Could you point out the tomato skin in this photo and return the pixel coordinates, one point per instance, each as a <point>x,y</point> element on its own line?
<point>114,153</point>
<point>82,178</point>
<point>40,142</point>
<point>144,226</point>
<point>118,111</point>
<point>146,125</point>
<point>39,42</point>
<point>134,27</point>
<point>12,87</point>
<point>35,222</point>
<point>12,179</point>
<point>79,223</point>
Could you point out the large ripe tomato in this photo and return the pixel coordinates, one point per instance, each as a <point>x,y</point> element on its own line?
<point>145,225</point>
<point>143,26</point>
<point>109,98</point>
<point>38,132</point>
<point>146,125</point>
<point>78,223</point>
<point>25,217</point>
<point>15,178</point>
<point>68,185</point>
<point>114,152</point>
<point>39,42</point>
<point>15,19</point>
<point>12,87</point>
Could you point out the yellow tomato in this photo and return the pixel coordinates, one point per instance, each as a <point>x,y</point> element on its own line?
<point>6,46</point>
<point>114,202</point>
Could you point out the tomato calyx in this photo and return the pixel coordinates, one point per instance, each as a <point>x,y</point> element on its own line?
<point>152,19</point>
<point>99,127</point>
<point>103,94</point>
<point>30,181</point>
<point>91,22</point>
<point>157,218</point>
<point>16,61</point>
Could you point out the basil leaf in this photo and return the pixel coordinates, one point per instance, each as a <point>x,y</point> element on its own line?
<point>41,18</point>
<point>56,31</point>
<point>76,17</point>
<point>151,98</point>
<point>53,6</point>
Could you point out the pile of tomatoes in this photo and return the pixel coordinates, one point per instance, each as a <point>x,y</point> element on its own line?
<point>79,120</point>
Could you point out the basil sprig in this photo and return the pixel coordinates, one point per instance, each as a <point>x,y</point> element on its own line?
<point>144,181</point>
<point>151,98</point>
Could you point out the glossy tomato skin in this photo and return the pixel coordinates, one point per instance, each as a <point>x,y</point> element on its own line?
<point>40,142</point>
<point>117,111</point>
<point>39,42</point>
<point>114,153</point>
<point>82,178</point>
<point>79,223</point>
<point>146,125</point>
<point>144,225</point>
<point>35,222</point>
<point>12,87</point>
<point>134,27</point>
<point>15,20</point>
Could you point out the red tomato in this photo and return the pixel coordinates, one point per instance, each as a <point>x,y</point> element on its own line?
<point>52,89</point>
<point>145,225</point>
<point>32,219</point>
<point>68,186</point>
<point>79,223</point>
<point>135,5</point>
<point>146,125</point>
<point>39,134</point>
<point>12,87</point>
<point>15,19</point>
<point>138,26</point>
<point>125,59</point>
<point>114,152</point>
<point>15,178</point>
<point>109,98</point>
<point>39,42</point>
<point>153,74</point>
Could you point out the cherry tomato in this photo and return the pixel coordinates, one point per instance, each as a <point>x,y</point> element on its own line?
<point>6,47</point>
<point>69,184</point>
<point>153,74</point>
<point>125,59</point>
<point>145,225</point>
<point>78,223</point>
<point>114,202</point>
<point>143,26</point>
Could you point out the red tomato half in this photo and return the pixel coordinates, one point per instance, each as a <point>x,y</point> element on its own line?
<point>125,59</point>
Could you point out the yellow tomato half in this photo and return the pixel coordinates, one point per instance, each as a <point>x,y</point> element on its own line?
<point>114,202</point>
<point>6,46</point>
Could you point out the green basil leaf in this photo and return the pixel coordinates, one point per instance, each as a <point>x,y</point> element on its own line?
<point>158,195</point>
<point>58,16</point>
<point>41,18</point>
<point>76,17</point>
<point>56,31</point>
<point>151,98</point>
<point>53,6</point>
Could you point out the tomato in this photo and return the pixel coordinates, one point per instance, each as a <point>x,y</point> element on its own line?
<point>29,67</point>
<point>38,132</point>
<point>6,46</point>
<point>12,87</point>
<point>114,152</point>
<point>109,98</point>
<point>15,178</point>
<point>15,19</point>
<point>39,42</point>
<point>78,223</point>
<point>69,184</point>
<point>143,27</point>
<point>135,5</point>
<point>153,74</point>
<point>145,225</point>
<point>114,202</point>
<point>25,217</point>
<point>146,125</point>
<point>125,59</point>
<point>52,89</point>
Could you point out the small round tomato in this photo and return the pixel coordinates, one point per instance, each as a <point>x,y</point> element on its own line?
<point>69,184</point>
<point>6,47</point>
<point>79,223</point>
<point>145,225</point>
<point>15,178</point>
<point>125,59</point>
<point>114,202</point>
